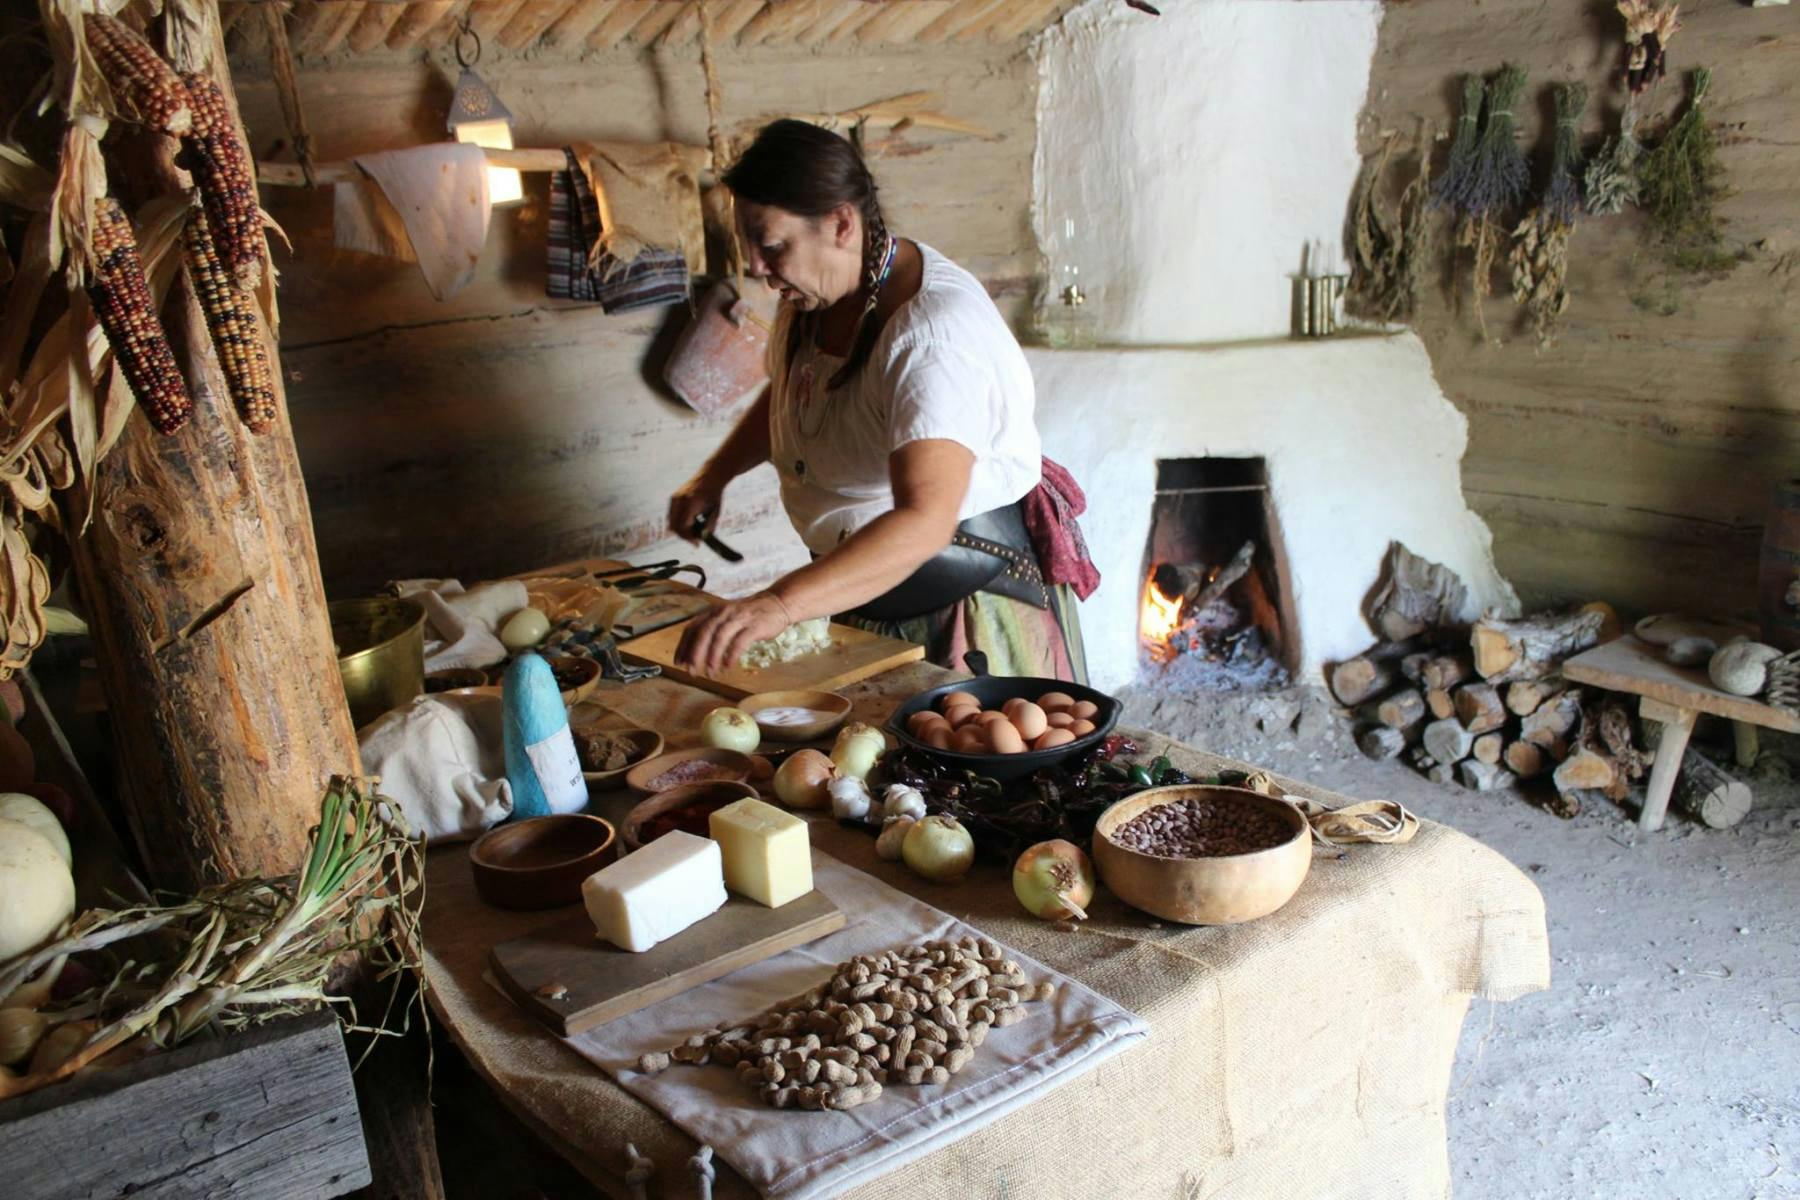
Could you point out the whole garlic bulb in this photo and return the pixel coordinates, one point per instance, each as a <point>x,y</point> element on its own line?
<point>889,846</point>
<point>850,799</point>
<point>902,801</point>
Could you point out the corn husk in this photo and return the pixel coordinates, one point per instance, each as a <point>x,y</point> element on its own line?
<point>1540,251</point>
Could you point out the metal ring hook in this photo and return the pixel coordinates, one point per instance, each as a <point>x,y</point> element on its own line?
<point>464,29</point>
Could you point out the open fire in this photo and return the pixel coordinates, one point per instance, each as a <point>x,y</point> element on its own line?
<point>1161,617</point>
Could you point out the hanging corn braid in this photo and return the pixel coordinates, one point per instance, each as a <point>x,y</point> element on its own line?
<point>811,171</point>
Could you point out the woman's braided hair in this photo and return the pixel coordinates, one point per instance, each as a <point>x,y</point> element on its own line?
<point>810,171</point>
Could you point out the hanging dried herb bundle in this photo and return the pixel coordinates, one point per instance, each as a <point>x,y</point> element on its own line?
<point>1540,252</point>
<point>1388,247</point>
<point>1681,178</point>
<point>1648,31</point>
<point>1453,184</point>
<point>1497,183</point>
<point>1612,176</point>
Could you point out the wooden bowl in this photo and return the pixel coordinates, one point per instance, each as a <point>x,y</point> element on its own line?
<point>1225,890</point>
<point>540,862</point>
<point>587,669</point>
<point>833,710</point>
<point>731,766</point>
<point>454,679</point>
<point>646,743</point>
<point>707,797</point>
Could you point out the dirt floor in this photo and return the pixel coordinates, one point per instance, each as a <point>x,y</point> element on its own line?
<point>1665,1059</point>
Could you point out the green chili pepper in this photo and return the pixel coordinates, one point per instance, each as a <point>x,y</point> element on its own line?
<point>1115,772</point>
<point>1141,777</point>
<point>1160,767</point>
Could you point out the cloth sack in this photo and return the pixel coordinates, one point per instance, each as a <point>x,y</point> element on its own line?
<point>622,267</point>
<point>461,625</point>
<point>440,759</point>
<point>427,204</point>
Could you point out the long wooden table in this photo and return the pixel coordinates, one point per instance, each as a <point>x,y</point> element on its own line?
<point>1306,1054</point>
<point>1674,697</point>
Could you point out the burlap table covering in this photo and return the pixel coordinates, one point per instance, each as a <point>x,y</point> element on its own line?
<point>1306,1054</point>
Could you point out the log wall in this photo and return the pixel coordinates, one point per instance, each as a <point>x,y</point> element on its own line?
<point>500,430</point>
<point>1632,462</point>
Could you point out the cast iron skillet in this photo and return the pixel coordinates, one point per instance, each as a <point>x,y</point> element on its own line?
<point>994,691</point>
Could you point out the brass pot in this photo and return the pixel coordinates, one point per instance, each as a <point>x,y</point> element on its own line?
<point>381,653</point>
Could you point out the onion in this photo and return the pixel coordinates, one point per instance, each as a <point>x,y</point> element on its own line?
<point>893,838</point>
<point>939,848</point>
<point>524,629</point>
<point>800,782</point>
<point>731,729</point>
<point>1054,880</point>
<point>902,801</point>
<point>857,748</point>
<point>849,798</point>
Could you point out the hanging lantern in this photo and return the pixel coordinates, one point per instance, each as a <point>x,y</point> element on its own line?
<point>479,119</point>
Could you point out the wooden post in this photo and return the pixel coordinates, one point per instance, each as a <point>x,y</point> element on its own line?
<point>1677,725</point>
<point>200,579</point>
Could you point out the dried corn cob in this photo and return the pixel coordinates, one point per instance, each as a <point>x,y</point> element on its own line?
<point>145,89</point>
<point>227,188</point>
<point>122,303</point>
<point>231,319</point>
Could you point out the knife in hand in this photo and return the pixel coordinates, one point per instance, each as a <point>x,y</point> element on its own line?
<point>713,543</point>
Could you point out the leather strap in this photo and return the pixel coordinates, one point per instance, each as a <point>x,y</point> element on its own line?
<point>989,552</point>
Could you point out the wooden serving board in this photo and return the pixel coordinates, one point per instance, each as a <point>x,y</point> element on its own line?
<point>603,982</point>
<point>853,655</point>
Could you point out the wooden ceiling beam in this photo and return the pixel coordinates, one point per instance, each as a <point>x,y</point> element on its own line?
<point>650,26</point>
<point>955,19</point>
<point>888,25</point>
<point>372,28</point>
<point>847,28</point>
<point>577,21</point>
<point>731,19</point>
<point>530,21</point>
<point>349,12</point>
<point>489,17</point>
<point>419,20</point>
<point>616,24</point>
<point>685,28</point>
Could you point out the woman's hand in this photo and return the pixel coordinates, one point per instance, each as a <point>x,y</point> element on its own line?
<point>716,639</point>
<point>699,497</point>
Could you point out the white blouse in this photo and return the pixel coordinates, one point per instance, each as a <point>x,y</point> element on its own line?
<point>945,366</point>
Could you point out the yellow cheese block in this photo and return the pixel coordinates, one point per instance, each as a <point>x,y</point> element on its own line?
<point>768,855</point>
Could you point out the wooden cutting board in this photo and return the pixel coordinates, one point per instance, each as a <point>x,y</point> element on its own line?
<point>601,982</point>
<point>853,655</point>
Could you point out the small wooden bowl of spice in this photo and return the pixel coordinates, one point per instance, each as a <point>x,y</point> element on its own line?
<point>1203,855</point>
<point>703,764</point>
<point>688,808</point>
<point>796,716</point>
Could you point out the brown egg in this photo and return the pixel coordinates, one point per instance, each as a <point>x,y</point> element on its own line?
<point>925,728</point>
<point>1051,738</point>
<point>958,700</point>
<point>919,720</point>
<point>1030,720</point>
<point>1055,701</point>
<point>1004,738</point>
<point>939,736</point>
<point>1059,720</point>
<point>1082,728</point>
<point>971,739</point>
<point>990,717</point>
<point>961,715</point>
<point>1085,710</point>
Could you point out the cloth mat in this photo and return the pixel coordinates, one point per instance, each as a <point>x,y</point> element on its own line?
<point>441,759</point>
<point>461,624</point>
<point>793,1155</point>
<point>439,194</point>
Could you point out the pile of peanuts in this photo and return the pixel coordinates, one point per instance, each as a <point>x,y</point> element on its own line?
<point>912,1016</point>
<point>1056,719</point>
<point>1195,828</point>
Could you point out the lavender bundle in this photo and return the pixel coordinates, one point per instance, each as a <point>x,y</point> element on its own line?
<point>1497,182</point>
<point>1453,184</point>
<point>1540,252</point>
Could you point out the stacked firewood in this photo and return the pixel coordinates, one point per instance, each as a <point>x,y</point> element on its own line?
<point>1486,707</point>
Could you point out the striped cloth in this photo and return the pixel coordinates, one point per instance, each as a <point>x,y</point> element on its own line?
<point>578,271</point>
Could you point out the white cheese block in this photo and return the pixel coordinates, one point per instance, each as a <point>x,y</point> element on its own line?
<point>655,892</point>
<point>768,854</point>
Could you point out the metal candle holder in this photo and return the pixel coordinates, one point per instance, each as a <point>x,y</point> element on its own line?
<point>1316,304</point>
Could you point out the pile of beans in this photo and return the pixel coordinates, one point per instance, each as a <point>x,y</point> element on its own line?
<point>1196,828</point>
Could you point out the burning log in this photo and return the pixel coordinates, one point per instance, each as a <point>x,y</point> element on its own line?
<point>1198,586</point>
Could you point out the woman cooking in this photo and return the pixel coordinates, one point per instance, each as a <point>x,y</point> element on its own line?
<point>899,420</point>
